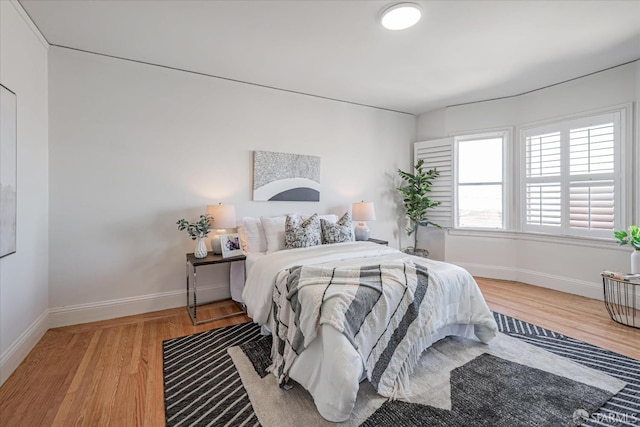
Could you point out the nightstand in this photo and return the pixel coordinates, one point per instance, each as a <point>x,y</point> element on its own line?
<point>378,241</point>
<point>192,285</point>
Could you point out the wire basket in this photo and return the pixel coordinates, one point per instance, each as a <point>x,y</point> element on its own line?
<point>621,293</point>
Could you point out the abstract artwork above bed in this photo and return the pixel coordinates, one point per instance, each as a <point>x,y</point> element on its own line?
<point>285,177</point>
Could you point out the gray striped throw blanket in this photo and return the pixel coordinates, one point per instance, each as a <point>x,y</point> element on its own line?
<point>381,309</point>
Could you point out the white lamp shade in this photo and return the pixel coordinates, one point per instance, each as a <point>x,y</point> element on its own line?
<point>363,211</point>
<point>224,216</point>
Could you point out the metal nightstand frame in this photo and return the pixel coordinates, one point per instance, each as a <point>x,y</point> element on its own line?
<point>191,270</point>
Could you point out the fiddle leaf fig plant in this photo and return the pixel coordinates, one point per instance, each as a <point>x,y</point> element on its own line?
<point>196,229</point>
<point>415,196</point>
<point>631,238</point>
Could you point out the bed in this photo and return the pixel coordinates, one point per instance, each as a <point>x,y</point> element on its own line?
<point>331,365</point>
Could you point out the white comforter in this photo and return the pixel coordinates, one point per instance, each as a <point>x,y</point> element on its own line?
<point>330,368</point>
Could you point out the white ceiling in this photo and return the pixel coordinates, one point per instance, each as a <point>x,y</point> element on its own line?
<point>460,52</point>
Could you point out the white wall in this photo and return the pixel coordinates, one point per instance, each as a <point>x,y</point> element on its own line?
<point>571,265</point>
<point>133,148</point>
<point>24,294</point>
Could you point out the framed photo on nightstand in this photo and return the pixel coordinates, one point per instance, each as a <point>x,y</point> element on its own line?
<point>230,245</point>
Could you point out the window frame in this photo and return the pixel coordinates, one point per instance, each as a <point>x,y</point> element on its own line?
<point>564,125</point>
<point>507,171</point>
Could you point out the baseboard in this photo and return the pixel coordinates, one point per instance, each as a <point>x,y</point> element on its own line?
<point>21,347</point>
<point>489,271</point>
<point>93,312</point>
<point>536,278</point>
<point>103,310</point>
<point>563,284</point>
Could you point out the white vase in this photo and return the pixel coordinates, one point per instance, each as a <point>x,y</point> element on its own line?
<point>635,262</point>
<point>201,248</point>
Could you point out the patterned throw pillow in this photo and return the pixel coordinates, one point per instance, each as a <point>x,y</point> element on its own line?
<point>340,232</point>
<point>299,233</point>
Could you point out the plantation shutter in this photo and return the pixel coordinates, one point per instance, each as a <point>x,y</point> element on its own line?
<point>571,181</point>
<point>592,179</point>
<point>438,154</point>
<point>543,202</point>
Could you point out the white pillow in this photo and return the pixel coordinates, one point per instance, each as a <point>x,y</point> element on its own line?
<point>274,232</point>
<point>243,238</point>
<point>252,235</point>
<point>330,218</point>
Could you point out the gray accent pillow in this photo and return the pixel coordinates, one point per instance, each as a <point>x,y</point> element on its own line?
<point>340,232</point>
<point>299,233</point>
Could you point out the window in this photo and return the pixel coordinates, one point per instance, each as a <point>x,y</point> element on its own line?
<point>479,181</point>
<point>571,176</point>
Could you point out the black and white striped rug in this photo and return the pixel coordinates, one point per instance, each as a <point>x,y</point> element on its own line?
<point>203,388</point>
<point>621,410</point>
<point>201,384</point>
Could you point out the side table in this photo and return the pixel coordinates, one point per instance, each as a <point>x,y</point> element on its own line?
<point>621,296</point>
<point>192,285</point>
<point>378,241</point>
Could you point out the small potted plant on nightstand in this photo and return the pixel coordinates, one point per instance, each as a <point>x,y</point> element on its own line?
<point>197,230</point>
<point>632,238</point>
<point>417,202</point>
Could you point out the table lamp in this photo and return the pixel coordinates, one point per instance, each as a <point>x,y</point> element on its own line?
<point>224,217</point>
<point>363,211</point>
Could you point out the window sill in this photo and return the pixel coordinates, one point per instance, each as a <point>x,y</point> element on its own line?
<point>594,242</point>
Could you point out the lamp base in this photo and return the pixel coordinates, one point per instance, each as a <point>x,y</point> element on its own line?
<point>362,231</point>
<point>215,242</point>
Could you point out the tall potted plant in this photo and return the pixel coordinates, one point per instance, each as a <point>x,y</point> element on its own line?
<point>415,196</point>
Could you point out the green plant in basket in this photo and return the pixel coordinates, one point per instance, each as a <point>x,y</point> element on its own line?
<point>196,229</point>
<point>631,238</point>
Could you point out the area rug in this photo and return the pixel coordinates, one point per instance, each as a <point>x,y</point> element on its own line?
<point>527,376</point>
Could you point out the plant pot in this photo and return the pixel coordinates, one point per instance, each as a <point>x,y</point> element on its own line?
<point>417,252</point>
<point>635,262</point>
<point>201,249</point>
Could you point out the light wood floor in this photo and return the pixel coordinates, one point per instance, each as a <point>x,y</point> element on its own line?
<point>110,372</point>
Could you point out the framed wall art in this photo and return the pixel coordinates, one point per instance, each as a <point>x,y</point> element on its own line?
<point>8,171</point>
<point>286,177</point>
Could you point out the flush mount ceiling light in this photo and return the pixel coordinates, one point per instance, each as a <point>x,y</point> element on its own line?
<point>401,16</point>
